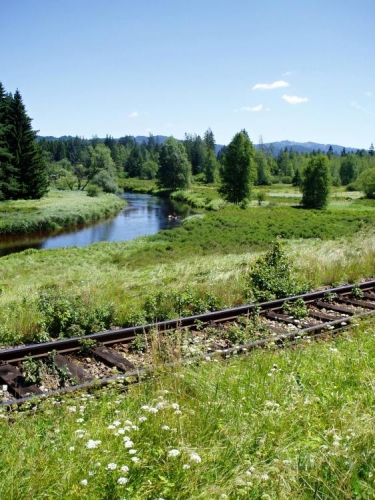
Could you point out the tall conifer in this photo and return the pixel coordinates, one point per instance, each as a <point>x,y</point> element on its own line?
<point>30,169</point>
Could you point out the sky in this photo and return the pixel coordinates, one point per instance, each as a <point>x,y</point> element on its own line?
<point>298,70</point>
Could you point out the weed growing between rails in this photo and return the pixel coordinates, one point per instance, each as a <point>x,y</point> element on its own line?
<point>277,424</point>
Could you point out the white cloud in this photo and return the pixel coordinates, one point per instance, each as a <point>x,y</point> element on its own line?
<point>361,108</point>
<point>271,86</point>
<point>134,114</point>
<point>294,99</point>
<point>287,73</point>
<point>260,107</point>
<point>369,94</point>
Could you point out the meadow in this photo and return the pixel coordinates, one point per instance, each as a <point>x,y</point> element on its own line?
<point>276,424</point>
<point>296,423</point>
<point>57,210</point>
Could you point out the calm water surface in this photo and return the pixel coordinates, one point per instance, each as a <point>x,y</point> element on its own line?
<point>144,214</point>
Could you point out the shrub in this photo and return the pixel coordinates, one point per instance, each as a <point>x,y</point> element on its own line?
<point>68,316</point>
<point>271,276</point>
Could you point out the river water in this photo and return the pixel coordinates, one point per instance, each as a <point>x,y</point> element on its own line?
<point>144,214</point>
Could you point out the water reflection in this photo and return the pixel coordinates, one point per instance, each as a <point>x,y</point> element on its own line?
<point>145,214</point>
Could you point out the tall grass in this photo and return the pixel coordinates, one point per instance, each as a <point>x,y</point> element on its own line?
<point>296,423</point>
<point>56,210</point>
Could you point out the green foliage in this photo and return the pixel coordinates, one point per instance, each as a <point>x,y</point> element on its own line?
<point>316,183</point>
<point>23,174</point>
<point>174,303</point>
<point>68,316</point>
<point>175,169</point>
<point>31,370</point>
<point>238,170</point>
<point>138,345</point>
<point>367,182</point>
<point>297,309</point>
<point>93,190</point>
<point>356,292</point>
<point>271,276</point>
<point>86,346</point>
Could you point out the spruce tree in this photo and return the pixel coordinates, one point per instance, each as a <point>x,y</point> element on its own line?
<point>30,171</point>
<point>8,182</point>
<point>238,168</point>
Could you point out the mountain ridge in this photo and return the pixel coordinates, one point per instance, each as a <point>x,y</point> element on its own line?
<point>276,146</point>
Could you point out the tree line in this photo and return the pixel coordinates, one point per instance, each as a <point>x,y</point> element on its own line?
<point>28,168</point>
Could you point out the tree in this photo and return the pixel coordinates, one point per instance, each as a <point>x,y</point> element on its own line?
<point>209,140</point>
<point>316,183</point>
<point>29,171</point>
<point>175,168</point>
<point>348,170</point>
<point>238,169</point>
<point>367,182</point>
<point>210,166</point>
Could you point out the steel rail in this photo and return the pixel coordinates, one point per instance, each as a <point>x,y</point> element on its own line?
<point>126,334</point>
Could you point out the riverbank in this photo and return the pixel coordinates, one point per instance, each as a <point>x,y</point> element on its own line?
<point>57,210</point>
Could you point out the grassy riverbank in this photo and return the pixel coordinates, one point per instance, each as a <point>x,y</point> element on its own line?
<point>55,211</point>
<point>293,423</point>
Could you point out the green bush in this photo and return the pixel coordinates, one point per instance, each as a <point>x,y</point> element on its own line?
<point>271,276</point>
<point>68,316</point>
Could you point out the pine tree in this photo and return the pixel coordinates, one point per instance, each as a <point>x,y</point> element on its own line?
<point>29,174</point>
<point>238,169</point>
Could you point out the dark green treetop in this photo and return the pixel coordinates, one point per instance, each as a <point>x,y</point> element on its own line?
<point>238,169</point>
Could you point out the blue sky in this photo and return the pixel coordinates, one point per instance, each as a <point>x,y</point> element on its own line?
<point>301,70</point>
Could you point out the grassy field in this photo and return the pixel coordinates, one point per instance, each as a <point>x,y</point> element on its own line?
<point>211,253</point>
<point>277,424</point>
<point>285,424</point>
<point>56,210</point>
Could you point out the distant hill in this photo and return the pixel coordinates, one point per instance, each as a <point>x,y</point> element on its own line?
<point>304,147</point>
<point>300,147</point>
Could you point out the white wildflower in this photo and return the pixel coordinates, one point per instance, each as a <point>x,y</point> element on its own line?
<point>135,459</point>
<point>124,468</point>
<point>112,466</point>
<point>128,444</point>
<point>173,453</point>
<point>186,466</point>
<point>71,448</point>
<point>175,406</point>
<point>91,443</point>
<point>80,420</point>
<point>84,482</point>
<point>132,452</point>
<point>165,427</point>
<point>194,457</point>
<point>142,419</point>
<point>122,480</point>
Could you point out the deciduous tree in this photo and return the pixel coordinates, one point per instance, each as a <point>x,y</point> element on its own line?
<point>175,168</point>
<point>316,183</point>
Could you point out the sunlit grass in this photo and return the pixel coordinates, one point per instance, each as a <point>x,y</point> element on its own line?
<point>56,210</point>
<point>296,423</point>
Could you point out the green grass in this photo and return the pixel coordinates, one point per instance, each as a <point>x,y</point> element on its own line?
<point>55,211</point>
<point>294,423</point>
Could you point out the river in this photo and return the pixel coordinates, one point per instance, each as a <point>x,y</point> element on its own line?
<point>144,214</point>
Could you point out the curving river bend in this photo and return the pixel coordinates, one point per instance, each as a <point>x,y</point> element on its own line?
<point>144,214</point>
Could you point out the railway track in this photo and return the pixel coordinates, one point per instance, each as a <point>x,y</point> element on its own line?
<point>39,370</point>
